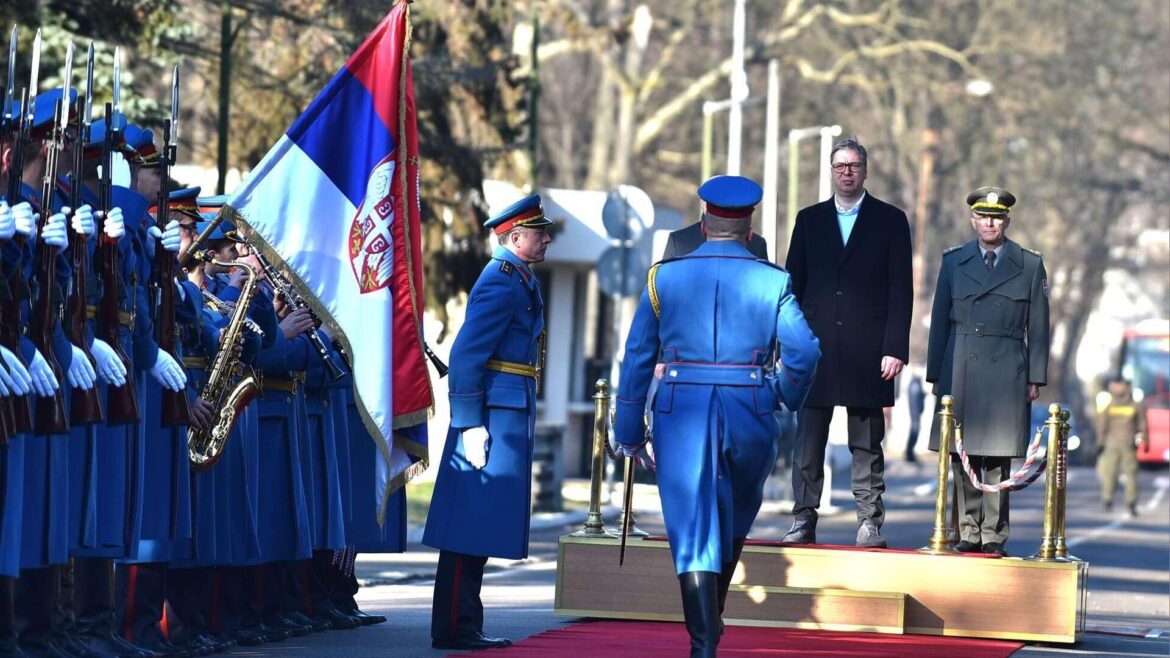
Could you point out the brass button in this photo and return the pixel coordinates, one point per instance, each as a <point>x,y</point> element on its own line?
<point>674,373</point>
<point>754,375</point>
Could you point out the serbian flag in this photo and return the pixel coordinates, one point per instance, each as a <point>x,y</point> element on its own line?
<point>335,204</point>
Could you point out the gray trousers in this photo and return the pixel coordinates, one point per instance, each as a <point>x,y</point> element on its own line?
<point>867,428</point>
<point>983,517</point>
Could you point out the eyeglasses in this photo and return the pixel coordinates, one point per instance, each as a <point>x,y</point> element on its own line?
<point>840,167</point>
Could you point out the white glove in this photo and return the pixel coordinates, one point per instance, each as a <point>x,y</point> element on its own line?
<point>81,374</point>
<point>113,225</point>
<point>170,238</point>
<point>44,382</point>
<point>54,234</point>
<point>25,219</point>
<point>475,446</point>
<point>109,366</point>
<point>21,380</point>
<point>82,221</point>
<point>167,372</point>
<point>7,221</point>
<point>642,454</point>
<point>121,176</point>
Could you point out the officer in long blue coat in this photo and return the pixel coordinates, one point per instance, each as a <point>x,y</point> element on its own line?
<point>480,507</point>
<point>715,316</point>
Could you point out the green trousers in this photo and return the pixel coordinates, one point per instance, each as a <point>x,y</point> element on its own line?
<point>1115,460</point>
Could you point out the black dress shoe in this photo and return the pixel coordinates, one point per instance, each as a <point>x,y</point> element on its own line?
<point>337,620</point>
<point>965,546</point>
<point>471,643</point>
<point>242,637</point>
<point>366,618</point>
<point>994,548</point>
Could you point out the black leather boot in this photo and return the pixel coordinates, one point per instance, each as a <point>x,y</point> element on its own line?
<point>8,646</point>
<point>729,571</point>
<point>700,597</point>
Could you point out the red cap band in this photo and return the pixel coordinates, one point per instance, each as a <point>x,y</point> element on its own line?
<point>730,213</point>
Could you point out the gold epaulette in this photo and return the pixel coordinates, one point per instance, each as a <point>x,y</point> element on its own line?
<point>652,289</point>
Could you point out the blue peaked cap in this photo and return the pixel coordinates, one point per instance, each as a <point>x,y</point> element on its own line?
<point>46,107</point>
<point>209,207</point>
<point>526,212</point>
<point>97,131</point>
<point>731,196</point>
<point>225,231</point>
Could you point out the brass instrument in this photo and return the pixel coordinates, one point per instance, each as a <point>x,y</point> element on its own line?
<point>229,388</point>
<point>285,289</point>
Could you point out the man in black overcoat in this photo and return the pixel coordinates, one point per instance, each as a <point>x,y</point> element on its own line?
<point>849,258</point>
<point>687,239</point>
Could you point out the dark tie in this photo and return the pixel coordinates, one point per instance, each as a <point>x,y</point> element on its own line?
<point>989,258</point>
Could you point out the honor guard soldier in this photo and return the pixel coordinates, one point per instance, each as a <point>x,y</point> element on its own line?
<point>482,499</point>
<point>989,349</point>
<point>716,316</point>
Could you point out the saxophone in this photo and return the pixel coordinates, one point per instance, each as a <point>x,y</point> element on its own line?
<point>229,388</point>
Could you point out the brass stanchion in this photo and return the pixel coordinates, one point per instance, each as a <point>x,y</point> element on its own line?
<point>593,525</point>
<point>946,419</point>
<point>1052,486</point>
<point>1062,493</point>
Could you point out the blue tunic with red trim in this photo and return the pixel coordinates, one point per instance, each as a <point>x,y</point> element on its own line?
<point>485,512</point>
<point>720,313</point>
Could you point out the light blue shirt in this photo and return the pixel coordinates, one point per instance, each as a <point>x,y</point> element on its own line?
<point>998,251</point>
<point>847,217</point>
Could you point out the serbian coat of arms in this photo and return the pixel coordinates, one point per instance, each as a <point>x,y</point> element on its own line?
<point>371,244</point>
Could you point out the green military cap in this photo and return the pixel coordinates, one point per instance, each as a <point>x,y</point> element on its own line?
<point>991,200</point>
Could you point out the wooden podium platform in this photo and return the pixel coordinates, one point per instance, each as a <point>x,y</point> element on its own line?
<point>883,591</point>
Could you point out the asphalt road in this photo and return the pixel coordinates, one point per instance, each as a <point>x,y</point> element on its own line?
<point>1128,605</point>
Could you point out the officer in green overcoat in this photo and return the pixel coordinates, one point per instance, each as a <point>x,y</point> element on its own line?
<point>989,349</point>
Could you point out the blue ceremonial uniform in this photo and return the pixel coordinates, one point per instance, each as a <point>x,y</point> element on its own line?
<point>481,513</point>
<point>718,314</point>
<point>485,512</point>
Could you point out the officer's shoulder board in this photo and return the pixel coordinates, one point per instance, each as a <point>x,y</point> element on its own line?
<point>950,249</point>
<point>1032,251</point>
<point>506,267</point>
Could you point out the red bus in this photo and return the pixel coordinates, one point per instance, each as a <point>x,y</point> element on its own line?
<point>1145,361</point>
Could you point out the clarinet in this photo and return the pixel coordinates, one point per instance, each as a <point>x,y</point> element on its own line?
<point>284,288</point>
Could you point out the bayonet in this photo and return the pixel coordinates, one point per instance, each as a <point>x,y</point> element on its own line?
<point>34,78</point>
<point>63,117</point>
<point>175,106</point>
<point>10,85</point>
<point>86,118</point>
<point>117,86</point>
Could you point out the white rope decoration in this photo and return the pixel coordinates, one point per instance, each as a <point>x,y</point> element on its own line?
<point>1020,479</point>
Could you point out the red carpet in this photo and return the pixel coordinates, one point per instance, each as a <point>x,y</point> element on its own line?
<point>645,639</point>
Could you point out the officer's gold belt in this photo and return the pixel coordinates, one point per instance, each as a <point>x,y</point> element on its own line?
<point>125,318</point>
<point>284,385</point>
<point>513,368</point>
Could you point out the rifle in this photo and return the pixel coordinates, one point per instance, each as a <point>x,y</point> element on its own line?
<point>121,401</point>
<point>86,407</point>
<point>50,412</point>
<point>7,131</point>
<point>176,408</point>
